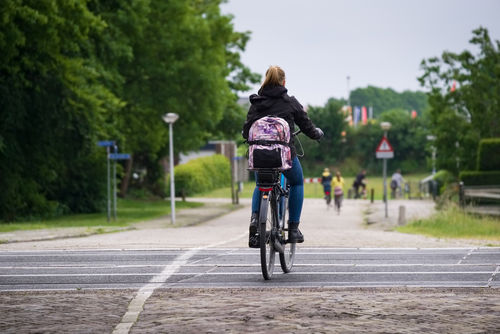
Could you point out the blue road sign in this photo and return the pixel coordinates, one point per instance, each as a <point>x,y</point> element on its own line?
<point>106,143</point>
<point>119,156</point>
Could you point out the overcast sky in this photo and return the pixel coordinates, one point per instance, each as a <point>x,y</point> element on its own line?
<point>375,42</point>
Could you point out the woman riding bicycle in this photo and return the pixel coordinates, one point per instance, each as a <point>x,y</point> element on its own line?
<point>272,100</point>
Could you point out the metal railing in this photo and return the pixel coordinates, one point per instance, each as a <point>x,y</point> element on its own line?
<point>483,199</point>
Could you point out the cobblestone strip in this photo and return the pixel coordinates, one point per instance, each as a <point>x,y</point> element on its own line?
<point>137,304</point>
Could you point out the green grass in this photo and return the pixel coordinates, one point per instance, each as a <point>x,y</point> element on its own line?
<point>128,211</point>
<point>454,223</point>
<point>315,190</point>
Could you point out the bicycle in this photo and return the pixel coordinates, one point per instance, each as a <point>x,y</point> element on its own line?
<point>273,232</point>
<point>328,198</point>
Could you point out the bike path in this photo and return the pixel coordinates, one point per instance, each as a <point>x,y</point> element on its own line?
<point>240,267</point>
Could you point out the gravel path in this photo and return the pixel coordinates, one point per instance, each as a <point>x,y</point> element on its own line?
<point>272,310</point>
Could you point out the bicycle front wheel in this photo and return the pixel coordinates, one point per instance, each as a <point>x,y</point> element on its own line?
<point>267,251</point>
<point>288,256</point>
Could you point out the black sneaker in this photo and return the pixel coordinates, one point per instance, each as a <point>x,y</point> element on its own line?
<point>253,236</point>
<point>294,234</point>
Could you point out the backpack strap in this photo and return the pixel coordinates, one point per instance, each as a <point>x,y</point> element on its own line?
<point>267,142</point>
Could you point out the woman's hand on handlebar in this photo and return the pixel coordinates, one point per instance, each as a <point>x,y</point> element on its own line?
<point>320,134</point>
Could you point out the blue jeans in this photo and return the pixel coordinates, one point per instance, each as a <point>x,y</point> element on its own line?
<point>296,180</point>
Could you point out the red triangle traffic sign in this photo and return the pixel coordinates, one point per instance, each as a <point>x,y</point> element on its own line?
<point>384,146</point>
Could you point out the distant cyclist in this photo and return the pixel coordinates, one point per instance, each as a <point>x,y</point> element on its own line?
<point>326,181</point>
<point>272,100</point>
<point>358,183</point>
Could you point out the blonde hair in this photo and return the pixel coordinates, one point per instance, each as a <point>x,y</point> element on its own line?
<point>274,77</point>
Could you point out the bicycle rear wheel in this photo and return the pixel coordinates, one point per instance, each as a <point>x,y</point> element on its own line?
<point>267,251</point>
<point>288,256</point>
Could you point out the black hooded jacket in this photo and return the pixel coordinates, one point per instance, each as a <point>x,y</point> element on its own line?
<point>274,101</point>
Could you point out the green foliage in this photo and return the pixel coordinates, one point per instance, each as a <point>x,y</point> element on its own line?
<point>52,109</point>
<point>444,178</point>
<point>386,99</point>
<point>129,211</point>
<point>488,155</point>
<point>75,72</point>
<point>357,151</point>
<point>472,109</point>
<point>330,119</point>
<point>480,178</point>
<point>202,175</point>
<point>454,223</point>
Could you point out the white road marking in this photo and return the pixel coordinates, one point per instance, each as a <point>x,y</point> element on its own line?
<point>468,254</point>
<point>254,264</point>
<point>159,278</point>
<point>493,276</point>
<point>137,304</point>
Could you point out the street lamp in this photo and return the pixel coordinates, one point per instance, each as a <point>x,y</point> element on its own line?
<point>348,92</point>
<point>170,118</point>
<point>385,126</point>
<point>433,148</point>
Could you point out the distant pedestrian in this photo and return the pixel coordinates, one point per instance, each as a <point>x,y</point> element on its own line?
<point>397,182</point>
<point>338,190</point>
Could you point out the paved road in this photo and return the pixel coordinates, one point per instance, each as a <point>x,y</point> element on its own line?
<point>239,267</point>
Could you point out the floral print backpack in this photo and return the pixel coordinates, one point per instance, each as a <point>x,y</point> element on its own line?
<point>269,140</point>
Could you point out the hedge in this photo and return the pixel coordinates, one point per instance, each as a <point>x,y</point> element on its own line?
<point>488,157</point>
<point>201,175</point>
<point>480,178</point>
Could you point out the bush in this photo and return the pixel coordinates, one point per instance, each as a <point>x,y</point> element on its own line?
<point>479,178</point>
<point>201,175</point>
<point>444,178</point>
<point>488,157</point>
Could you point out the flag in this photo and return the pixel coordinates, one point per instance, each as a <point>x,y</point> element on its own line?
<point>357,112</point>
<point>413,114</point>
<point>453,86</point>
<point>364,115</point>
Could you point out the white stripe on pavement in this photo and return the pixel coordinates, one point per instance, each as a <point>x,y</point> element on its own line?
<point>137,304</point>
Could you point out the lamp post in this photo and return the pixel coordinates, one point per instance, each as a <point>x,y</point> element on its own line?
<point>385,126</point>
<point>170,118</point>
<point>433,148</point>
<point>348,92</point>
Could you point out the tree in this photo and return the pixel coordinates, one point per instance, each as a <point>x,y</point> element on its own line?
<point>75,72</point>
<point>186,61</point>
<point>408,138</point>
<point>330,150</point>
<point>52,109</point>
<point>386,99</point>
<point>464,95</point>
